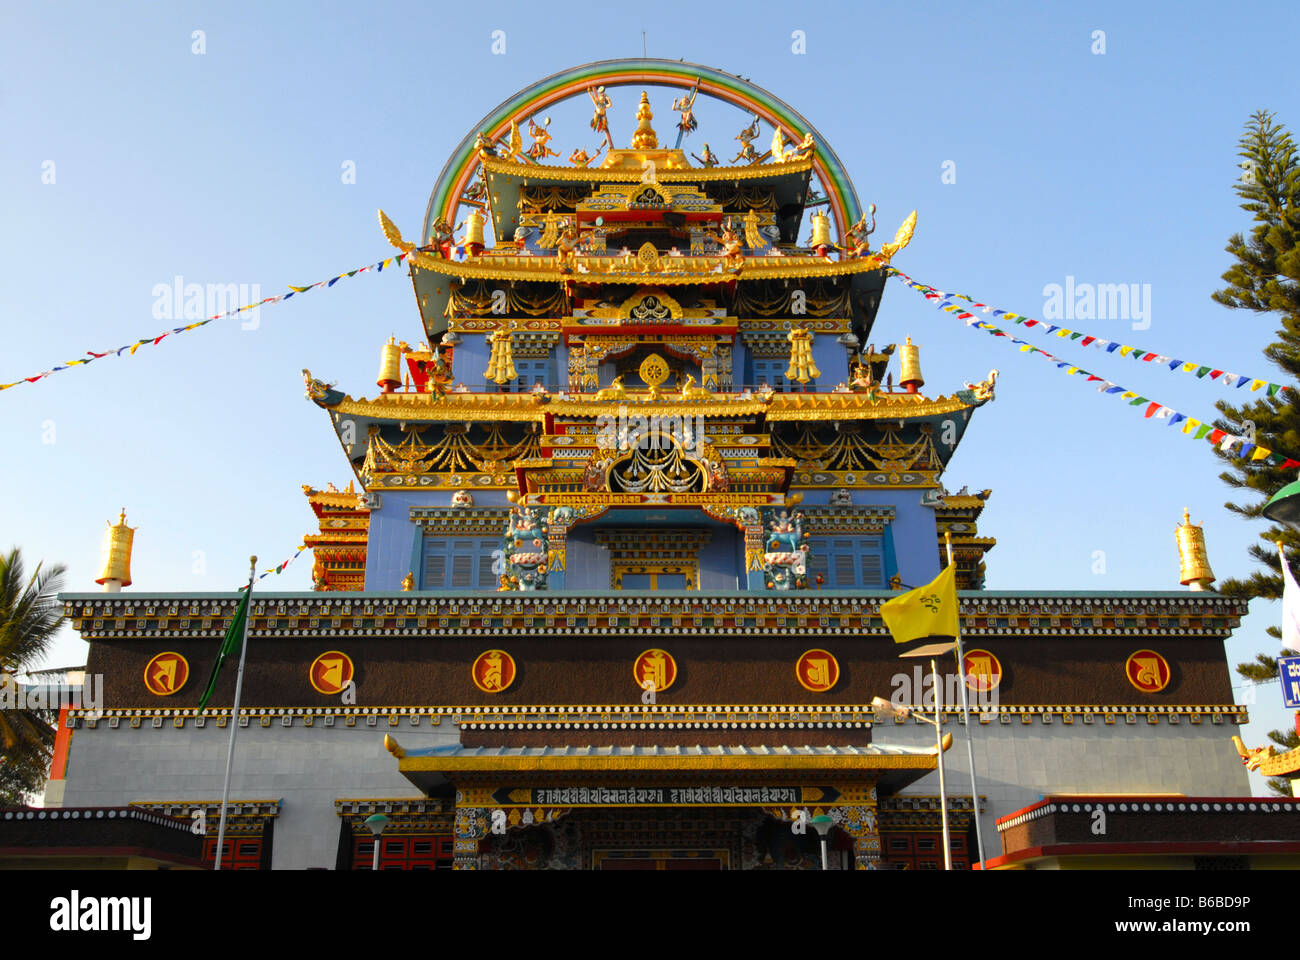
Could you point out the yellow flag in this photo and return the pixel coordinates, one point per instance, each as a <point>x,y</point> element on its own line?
<point>929,611</point>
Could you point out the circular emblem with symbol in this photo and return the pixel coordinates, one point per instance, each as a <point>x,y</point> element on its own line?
<point>982,670</point>
<point>655,670</point>
<point>331,672</point>
<point>493,671</point>
<point>817,671</point>
<point>1147,670</point>
<point>166,673</point>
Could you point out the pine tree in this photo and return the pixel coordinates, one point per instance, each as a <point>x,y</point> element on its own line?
<point>1266,280</point>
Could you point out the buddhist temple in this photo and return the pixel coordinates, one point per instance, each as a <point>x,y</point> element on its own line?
<point>602,586</point>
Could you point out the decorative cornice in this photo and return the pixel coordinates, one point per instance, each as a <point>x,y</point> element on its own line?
<point>1147,804</point>
<point>431,614</point>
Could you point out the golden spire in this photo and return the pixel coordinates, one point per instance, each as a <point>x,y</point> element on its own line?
<point>1193,563</point>
<point>390,366</point>
<point>910,378</point>
<point>645,137</point>
<point>117,555</point>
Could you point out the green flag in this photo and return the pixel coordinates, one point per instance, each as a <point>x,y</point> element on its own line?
<point>229,646</point>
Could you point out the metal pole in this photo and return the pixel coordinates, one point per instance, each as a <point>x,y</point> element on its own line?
<point>824,866</point>
<point>965,715</point>
<point>375,864</point>
<point>234,713</point>
<point>938,740</point>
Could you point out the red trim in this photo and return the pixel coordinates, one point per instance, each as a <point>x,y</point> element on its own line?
<point>1220,847</point>
<point>101,852</point>
<point>62,740</point>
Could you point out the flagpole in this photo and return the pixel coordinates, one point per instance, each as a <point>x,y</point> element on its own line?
<point>965,715</point>
<point>938,742</point>
<point>234,717</point>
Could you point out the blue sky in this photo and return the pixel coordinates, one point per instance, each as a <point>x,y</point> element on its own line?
<point>225,167</point>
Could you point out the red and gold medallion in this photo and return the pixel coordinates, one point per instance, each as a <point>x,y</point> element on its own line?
<point>981,670</point>
<point>817,670</point>
<point>493,671</point>
<point>1147,670</point>
<point>655,670</point>
<point>166,673</point>
<point>331,672</point>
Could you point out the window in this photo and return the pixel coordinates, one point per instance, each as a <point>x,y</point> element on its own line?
<point>461,563</point>
<point>530,373</point>
<point>772,370</point>
<point>848,562</point>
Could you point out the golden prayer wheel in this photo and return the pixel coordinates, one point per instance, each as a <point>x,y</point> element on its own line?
<point>390,367</point>
<point>910,378</point>
<point>1193,562</point>
<point>644,138</point>
<point>474,224</point>
<point>118,539</point>
<point>821,230</point>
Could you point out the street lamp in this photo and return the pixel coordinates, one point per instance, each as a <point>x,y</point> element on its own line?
<point>884,708</point>
<point>822,824</point>
<point>376,822</point>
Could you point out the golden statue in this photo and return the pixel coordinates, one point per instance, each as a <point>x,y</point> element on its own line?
<point>801,369</point>
<point>408,581</point>
<point>984,389</point>
<point>615,391</point>
<point>566,248</point>
<point>692,392</point>
<point>732,254</point>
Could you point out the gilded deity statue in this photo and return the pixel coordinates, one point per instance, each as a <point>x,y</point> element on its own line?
<point>600,118</point>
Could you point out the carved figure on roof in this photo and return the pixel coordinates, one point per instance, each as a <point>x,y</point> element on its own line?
<point>579,157</point>
<point>858,233</point>
<point>485,145</point>
<point>408,581</point>
<point>539,150</point>
<point>477,191</point>
<point>686,123</point>
<point>566,248</point>
<point>440,375</point>
<point>710,159</point>
<point>747,137</point>
<point>732,254</point>
<point>615,391</point>
<point>691,392</point>
<point>316,389</point>
<point>778,148</point>
<point>462,498</point>
<point>599,118</point>
<point>984,389</point>
<point>440,234</point>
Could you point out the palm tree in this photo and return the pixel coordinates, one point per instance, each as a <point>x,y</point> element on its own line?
<point>29,617</point>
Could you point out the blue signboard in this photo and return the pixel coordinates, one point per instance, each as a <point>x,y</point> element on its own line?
<point>1288,668</point>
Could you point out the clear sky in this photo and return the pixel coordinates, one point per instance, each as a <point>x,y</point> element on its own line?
<point>225,166</point>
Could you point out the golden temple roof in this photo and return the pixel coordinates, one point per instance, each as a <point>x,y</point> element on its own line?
<point>670,271</point>
<point>468,406</point>
<point>544,172</point>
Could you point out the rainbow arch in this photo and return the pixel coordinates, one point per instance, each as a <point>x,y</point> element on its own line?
<point>459,170</point>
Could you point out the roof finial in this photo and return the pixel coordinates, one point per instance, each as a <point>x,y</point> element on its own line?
<point>645,137</point>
